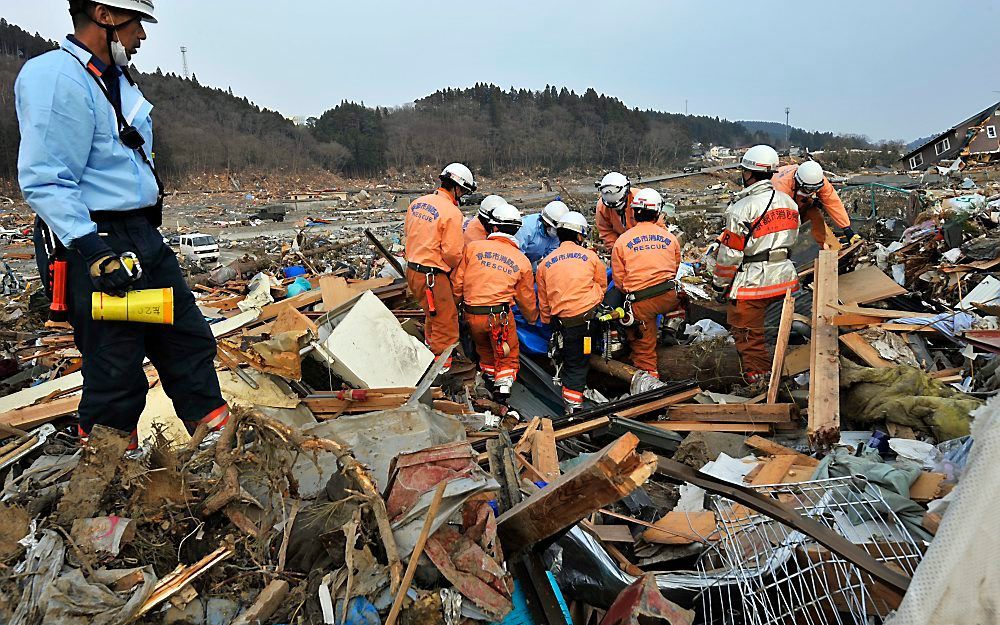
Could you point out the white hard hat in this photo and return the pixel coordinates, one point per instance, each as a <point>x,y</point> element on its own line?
<point>614,187</point>
<point>647,200</point>
<point>142,7</point>
<point>506,215</point>
<point>553,212</point>
<point>489,203</point>
<point>461,175</point>
<point>760,158</point>
<point>574,222</point>
<point>810,176</point>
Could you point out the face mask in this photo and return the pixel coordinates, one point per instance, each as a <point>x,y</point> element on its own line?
<point>550,232</point>
<point>118,53</point>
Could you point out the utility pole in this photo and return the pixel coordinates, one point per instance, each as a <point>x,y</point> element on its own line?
<point>685,106</point>
<point>184,60</point>
<point>788,128</point>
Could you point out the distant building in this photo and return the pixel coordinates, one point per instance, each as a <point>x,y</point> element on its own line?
<point>300,120</point>
<point>974,139</point>
<point>718,151</point>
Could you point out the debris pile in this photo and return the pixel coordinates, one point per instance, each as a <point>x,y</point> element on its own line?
<point>356,484</point>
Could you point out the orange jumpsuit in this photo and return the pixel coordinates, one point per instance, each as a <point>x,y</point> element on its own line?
<point>434,243</point>
<point>474,230</point>
<point>495,273</point>
<point>571,282</point>
<point>812,206</point>
<point>609,222</point>
<point>646,256</point>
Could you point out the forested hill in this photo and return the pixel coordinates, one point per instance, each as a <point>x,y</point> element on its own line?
<point>203,129</point>
<point>198,129</point>
<point>775,133</point>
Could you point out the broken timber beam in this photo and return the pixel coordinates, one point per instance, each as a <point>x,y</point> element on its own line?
<point>604,478</point>
<point>767,506</point>
<point>732,413</point>
<point>775,449</point>
<point>781,346</point>
<point>824,370</point>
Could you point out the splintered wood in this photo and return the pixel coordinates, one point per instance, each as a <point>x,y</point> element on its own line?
<point>824,376</point>
<point>604,478</point>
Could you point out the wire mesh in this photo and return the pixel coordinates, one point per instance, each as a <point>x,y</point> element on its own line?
<point>759,571</point>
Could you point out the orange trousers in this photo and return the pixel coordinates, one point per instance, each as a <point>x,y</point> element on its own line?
<point>441,330</point>
<point>643,333</point>
<point>746,324</point>
<point>493,362</point>
<point>820,231</point>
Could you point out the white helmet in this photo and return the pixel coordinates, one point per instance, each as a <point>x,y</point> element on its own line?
<point>647,200</point>
<point>553,212</point>
<point>505,215</point>
<point>143,7</point>
<point>489,203</point>
<point>574,222</point>
<point>760,158</point>
<point>614,188</point>
<point>461,175</point>
<point>809,176</point>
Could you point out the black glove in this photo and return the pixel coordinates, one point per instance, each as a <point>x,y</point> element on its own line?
<point>110,276</point>
<point>849,236</point>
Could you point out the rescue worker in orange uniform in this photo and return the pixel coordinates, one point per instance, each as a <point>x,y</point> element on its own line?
<point>752,268</point>
<point>434,244</point>
<point>808,186</point>
<point>476,227</point>
<point>644,264</point>
<point>492,275</point>
<point>614,208</point>
<point>571,285</point>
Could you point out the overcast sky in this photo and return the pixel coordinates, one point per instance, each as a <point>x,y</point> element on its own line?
<point>885,68</point>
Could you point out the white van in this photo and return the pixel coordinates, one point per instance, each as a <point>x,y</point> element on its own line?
<point>199,247</point>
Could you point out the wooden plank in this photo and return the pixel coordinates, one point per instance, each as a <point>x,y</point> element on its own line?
<point>659,404</point>
<point>927,487</point>
<point>781,346</point>
<point>866,285</point>
<point>335,291</point>
<point>34,416</point>
<point>855,320</point>
<point>683,528</point>
<point>931,522</point>
<point>175,581</point>
<point>601,479</point>
<point>291,320</point>
<point>582,428</point>
<point>880,313</point>
<point>613,533</point>
<point>775,449</point>
<point>300,301</point>
<point>523,445</point>
<point>729,413</point>
<point>544,456</point>
<point>824,376</point>
<point>774,470</point>
<point>857,344</point>
<point>267,603</point>
<point>418,549</point>
<point>696,426</point>
<point>796,361</point>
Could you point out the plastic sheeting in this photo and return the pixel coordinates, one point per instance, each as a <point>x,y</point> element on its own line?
<point>958,580</point>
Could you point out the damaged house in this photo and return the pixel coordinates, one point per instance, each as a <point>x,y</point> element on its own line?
<point>975,138</point>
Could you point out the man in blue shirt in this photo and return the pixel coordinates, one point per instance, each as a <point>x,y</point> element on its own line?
<point>85,168</point>
<point>537,235</point>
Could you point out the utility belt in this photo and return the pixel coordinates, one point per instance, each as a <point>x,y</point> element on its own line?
<point>152,214</point>
<point>651,292</point>
<point>578,320</point>
<point>486,310</point>
<point>773,256</point>
<point>425,269</point>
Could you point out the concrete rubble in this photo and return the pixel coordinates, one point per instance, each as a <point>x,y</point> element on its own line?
<point>353,483</point>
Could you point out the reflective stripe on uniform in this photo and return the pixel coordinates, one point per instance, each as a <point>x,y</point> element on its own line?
<point>217,419</point>
<point>765,292</point>
<point>572,396</point>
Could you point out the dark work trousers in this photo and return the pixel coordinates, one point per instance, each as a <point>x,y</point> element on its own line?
<point>114,385</point>
<point>576,364</point>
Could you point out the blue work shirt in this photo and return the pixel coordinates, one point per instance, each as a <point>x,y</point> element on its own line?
<point>533,240</point>
<point>71,160</point>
